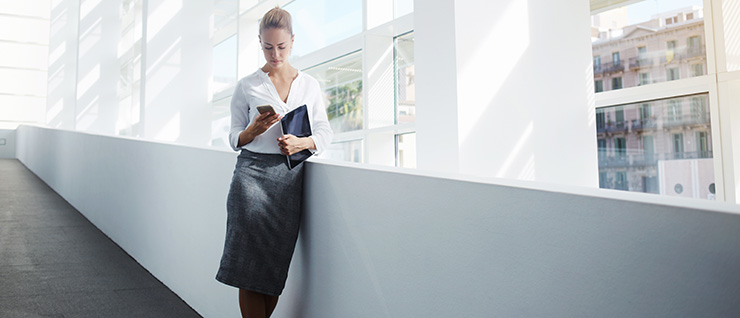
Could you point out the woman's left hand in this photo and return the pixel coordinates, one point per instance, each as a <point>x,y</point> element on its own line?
<point>290,144</point>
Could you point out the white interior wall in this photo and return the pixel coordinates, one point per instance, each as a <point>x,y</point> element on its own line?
<point>178,71</point>
<point>520,82</point>
<point>377,242</point>
<point>7,143</point>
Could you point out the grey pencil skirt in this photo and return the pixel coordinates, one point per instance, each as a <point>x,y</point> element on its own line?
<point>263,216</point>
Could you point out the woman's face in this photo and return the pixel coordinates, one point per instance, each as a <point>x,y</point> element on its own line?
<point>276,44</point>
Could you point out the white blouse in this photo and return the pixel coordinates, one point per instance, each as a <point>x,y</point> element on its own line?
<point>257,89</point>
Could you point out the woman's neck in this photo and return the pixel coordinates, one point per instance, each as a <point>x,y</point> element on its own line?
<point>286,71</point>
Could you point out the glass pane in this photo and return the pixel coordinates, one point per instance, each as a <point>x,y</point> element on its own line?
<point>341,80</point>
<point>406,150</point>
<point>405,83</point>
<point>319,23</point>
<point>662,146</point>
<point>224,64</point>
<point>345,151</point>
<point>649,42</point>
<point>221,122</point>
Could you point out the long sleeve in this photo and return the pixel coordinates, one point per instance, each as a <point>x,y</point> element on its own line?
<point>321,130</point>
<point>239,115</point>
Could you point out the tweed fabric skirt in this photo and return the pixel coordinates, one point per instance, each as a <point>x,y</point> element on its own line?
<point>263,217</point>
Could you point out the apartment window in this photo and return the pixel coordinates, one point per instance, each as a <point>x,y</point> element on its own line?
<point>672,74</point>
<point>406,150</point>
<point>674,110</point>
<point>341,81</point>
<point>619,117</point>
<point>617,83</point>
<point>698,110</point>
<point>702,144</point>
<point>615,59</point>
<point>678,145</point>
<point>697,70</point>
<point>644,78</point>
<point>657,141</point>
<point>689,16</point>
<point>597,63</point>
<point>601,146</point>
<point>599,86</point>
<point>642,52</point>
<point>620,147</point>
<point>621,181</point>
<point>668,21</point>
<point>648,149</point>
<point>600,121</point>
<point>693,45</point>
<point>646,112</point>
<point>405,79</point>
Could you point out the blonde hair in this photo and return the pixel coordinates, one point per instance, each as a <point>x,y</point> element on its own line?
<point>277,18</point>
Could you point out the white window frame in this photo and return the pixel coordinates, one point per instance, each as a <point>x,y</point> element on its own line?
<point>687,86</point>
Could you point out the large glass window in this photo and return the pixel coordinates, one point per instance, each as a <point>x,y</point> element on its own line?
<point>657,147</point>
<point>649,41</point>
<point>319,23</point>
<point>405,80</point>
<point>341,80</point>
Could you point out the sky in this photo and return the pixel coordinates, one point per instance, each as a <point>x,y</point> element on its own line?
<point>642,11</point>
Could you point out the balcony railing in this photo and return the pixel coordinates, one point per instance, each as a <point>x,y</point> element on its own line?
<point>636,62</point>
<point>694,52</point>
<point>622,159</point>
<point>610,67</point>
<point>686,120</point>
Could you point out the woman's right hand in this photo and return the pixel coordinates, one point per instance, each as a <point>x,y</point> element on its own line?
<point>262,122</point>
<point>259,125</point>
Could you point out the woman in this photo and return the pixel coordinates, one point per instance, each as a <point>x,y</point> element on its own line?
<point>264,201</point>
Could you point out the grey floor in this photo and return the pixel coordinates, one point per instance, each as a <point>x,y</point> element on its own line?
<point>55,263</point>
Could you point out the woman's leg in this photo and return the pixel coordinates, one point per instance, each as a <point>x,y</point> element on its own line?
<point>252,304</point>
<point>270,304</point>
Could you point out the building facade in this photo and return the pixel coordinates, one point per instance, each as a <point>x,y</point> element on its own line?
<point>636,141</point>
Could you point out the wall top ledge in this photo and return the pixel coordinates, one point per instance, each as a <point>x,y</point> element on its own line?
<point>706,205</point>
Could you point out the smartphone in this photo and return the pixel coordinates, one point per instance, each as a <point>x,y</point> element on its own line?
<point>266,109</point>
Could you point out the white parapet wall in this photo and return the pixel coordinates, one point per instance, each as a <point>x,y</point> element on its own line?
<point>383,242</point>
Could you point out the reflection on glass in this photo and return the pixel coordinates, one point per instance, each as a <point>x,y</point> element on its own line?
<point>341,81</point>
<point>224,64</point>
<point>345,151</point>
<point>319,23</point>
<point>657,146</point>
<point>405,82</point>
<point>649,42</point>
<point>406,150</point>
